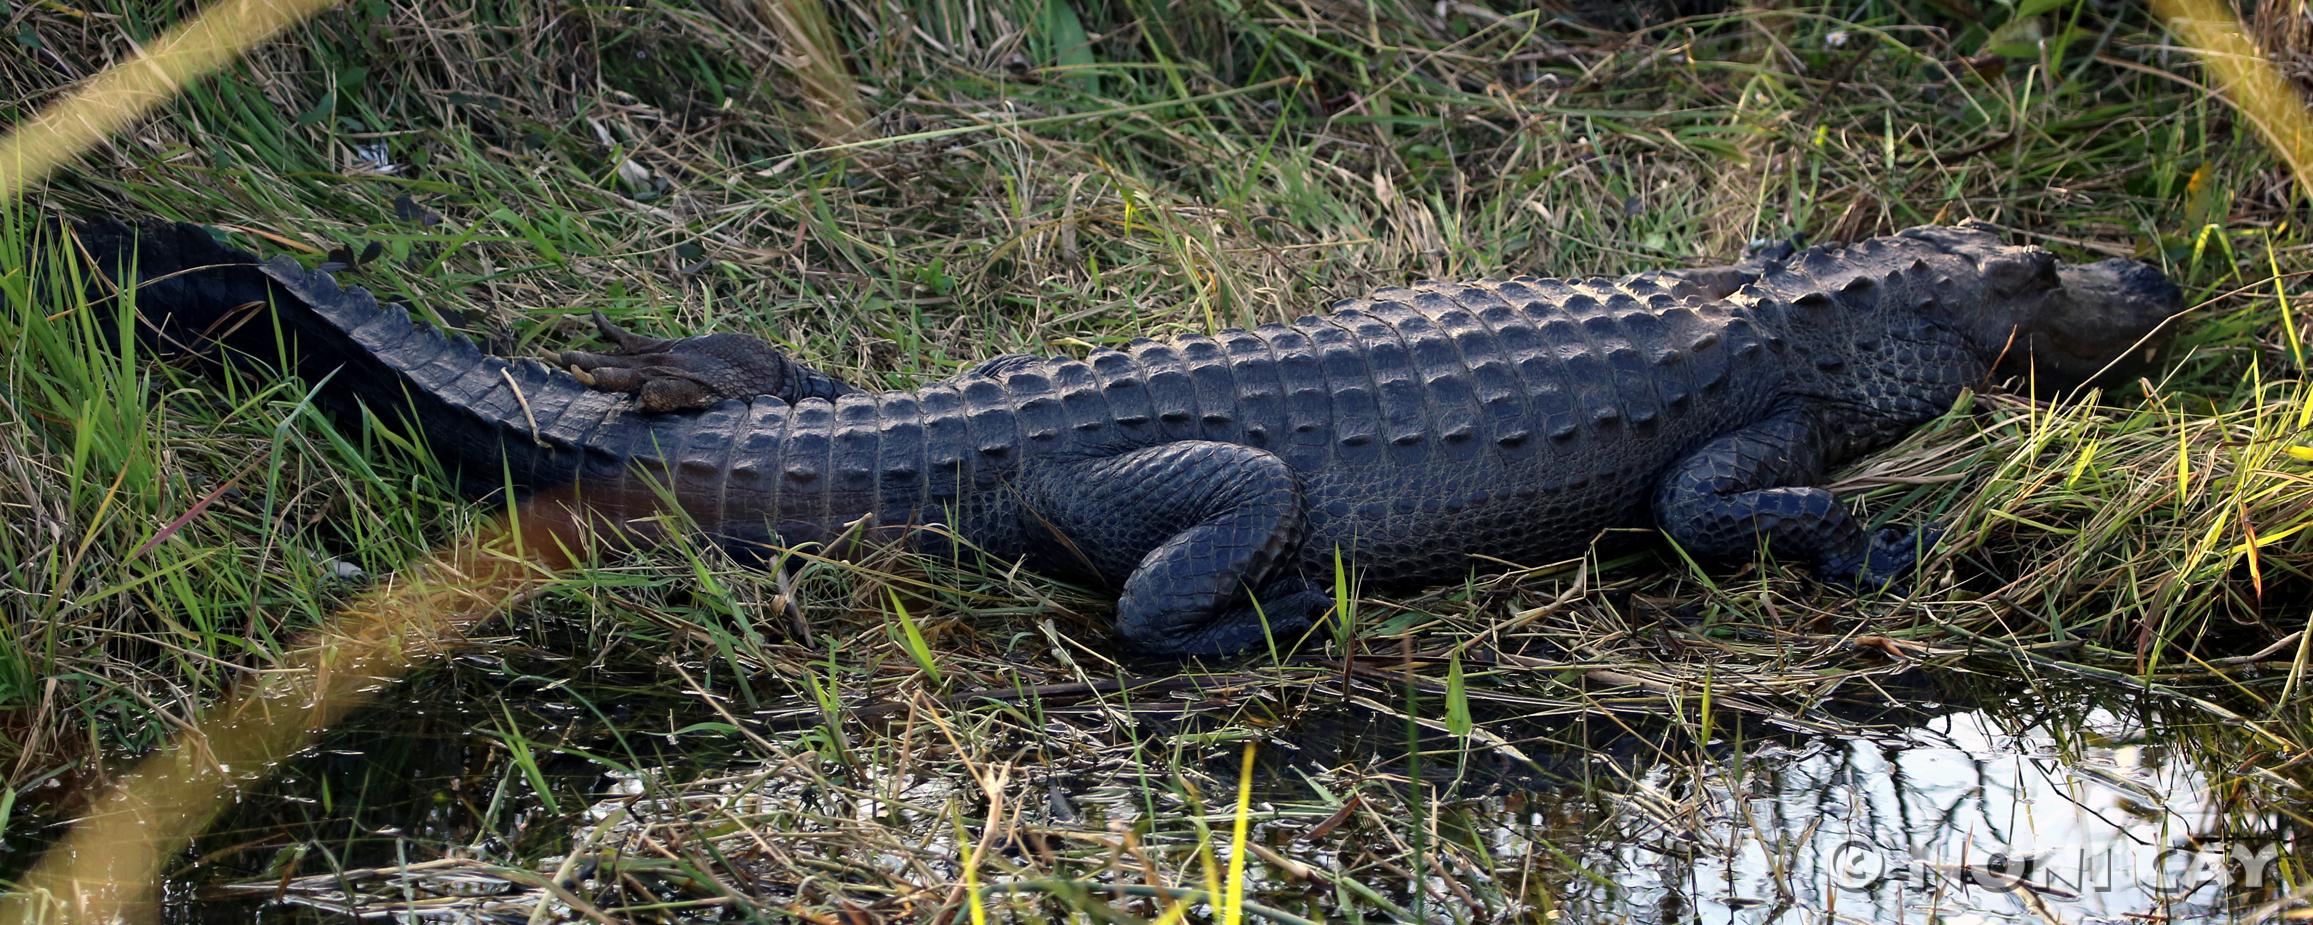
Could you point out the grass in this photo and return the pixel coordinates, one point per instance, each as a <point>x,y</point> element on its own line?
<point>898,191</point>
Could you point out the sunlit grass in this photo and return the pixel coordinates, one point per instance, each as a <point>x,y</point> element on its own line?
<point>121,95</point>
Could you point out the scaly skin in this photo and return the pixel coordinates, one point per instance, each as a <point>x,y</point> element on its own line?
<point>1212,479</point>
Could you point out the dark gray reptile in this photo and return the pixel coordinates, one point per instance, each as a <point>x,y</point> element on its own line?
<point>1421,431</point>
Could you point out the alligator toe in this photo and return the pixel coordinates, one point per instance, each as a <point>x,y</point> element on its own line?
<point>1894,555</point>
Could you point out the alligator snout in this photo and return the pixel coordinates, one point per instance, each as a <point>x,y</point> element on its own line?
<point>2143,283</point>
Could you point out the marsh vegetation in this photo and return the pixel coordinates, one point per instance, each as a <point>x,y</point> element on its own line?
<point>2109,651</point>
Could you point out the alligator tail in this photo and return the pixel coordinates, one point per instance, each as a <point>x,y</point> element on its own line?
<point>490,423</point>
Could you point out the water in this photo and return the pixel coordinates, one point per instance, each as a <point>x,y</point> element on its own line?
<point>1934,797</point>
<point>1957,819</point>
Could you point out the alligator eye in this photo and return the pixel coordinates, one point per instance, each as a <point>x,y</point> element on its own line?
<point>2021,270</point>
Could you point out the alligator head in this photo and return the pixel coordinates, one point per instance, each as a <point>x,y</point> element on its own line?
<point>2055,325</point>
<point>2101,325</point>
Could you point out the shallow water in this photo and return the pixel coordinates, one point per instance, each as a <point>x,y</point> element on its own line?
<point>1949,799</point>
<point>1958,819</point>
<point>1934,803</point>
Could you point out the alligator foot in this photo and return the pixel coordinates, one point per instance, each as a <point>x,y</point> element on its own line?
<point>1893,555</point>
<point>693,373</point>
<point>1762,252</point>
<point>1286,610</point>
<point>1720,282</point>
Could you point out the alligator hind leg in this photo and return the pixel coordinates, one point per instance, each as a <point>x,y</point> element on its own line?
<point>1200,535</point>
<point>691,373</point>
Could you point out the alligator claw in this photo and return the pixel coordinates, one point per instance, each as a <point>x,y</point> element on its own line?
<point>1763,251</point>
<point>1281,618</point>
<point>628,341</point>
<point>1894,553</point>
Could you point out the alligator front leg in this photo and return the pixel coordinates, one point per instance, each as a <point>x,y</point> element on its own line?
<point>691,373</point>
<point>1748,487</point>
<point>1200,534</point>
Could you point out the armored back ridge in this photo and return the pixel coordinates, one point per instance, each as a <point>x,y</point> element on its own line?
<point>1420,432</point>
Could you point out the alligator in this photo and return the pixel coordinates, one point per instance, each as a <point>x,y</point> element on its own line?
<point>1216,482</point>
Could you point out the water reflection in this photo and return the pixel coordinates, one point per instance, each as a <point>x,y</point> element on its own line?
<point>1939,797</point>
<point>1932,798</point>
<point>1984,814</point>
